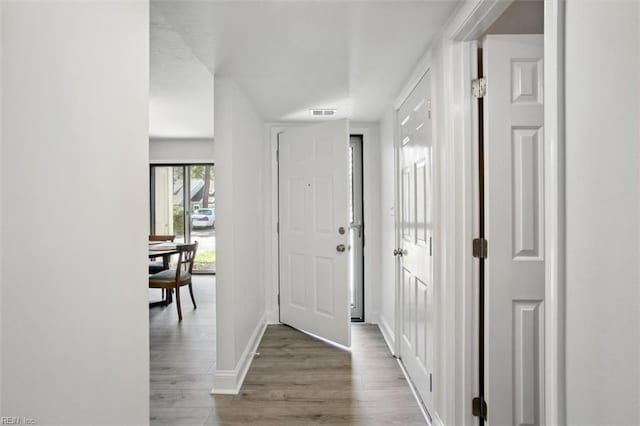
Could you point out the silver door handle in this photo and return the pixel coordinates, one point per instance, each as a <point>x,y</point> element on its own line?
<point>400,252</point>
<point>340,248</point>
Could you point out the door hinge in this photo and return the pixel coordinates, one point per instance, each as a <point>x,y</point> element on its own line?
<point>430,382</point>
<point>430,246</point>
<point>479,87</point>
<point>429,109</point>
<point>480,248</point>
<point>277,155</point>
<point>479,408</point>
<point>278,299</point>
<point>277,227</point>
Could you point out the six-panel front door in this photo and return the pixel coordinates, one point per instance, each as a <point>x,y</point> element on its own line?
<point>514,195</point>
<point>314,230</point>
<point>416,265</point>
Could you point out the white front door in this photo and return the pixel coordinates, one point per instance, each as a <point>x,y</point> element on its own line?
<point>514,195</point>
<point>416,236</point>
<point>314,230</point>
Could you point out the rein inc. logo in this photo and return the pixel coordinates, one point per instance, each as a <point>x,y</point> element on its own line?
<point>6,420</point>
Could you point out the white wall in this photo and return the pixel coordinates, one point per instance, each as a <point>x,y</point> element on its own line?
<point>240,278</point>
<point>182,151</point>
<point>1,206</point>
<point>603,212</point>
<point>387,227</point>
<point>74,191</point>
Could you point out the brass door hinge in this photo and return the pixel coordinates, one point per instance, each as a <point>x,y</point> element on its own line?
<point>479,87</point>
<point>479,408</point>
<point>480,248</point>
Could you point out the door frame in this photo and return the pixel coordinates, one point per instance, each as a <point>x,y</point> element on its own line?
<point>357,167</point>
<point>456,190</point>
<point>369,166</point>
<point>420,71</point>
<point>441,293</point>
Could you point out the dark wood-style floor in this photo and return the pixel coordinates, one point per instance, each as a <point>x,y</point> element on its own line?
<point>293,380</point>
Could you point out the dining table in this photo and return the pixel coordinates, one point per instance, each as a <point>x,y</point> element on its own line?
<point>164,249</point>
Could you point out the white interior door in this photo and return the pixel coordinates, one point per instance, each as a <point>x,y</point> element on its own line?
<point>514,196</point>
<point>314,230</point>
<point>416,236</point>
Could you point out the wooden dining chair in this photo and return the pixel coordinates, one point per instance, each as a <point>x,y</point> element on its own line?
<point>173,279</point>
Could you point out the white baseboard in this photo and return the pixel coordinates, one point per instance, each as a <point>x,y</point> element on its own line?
<point>427,416</point>
<point>436,421</point>
<point>387,333</point>
<point>229,382</point>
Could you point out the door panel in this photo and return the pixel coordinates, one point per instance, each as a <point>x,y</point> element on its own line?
<point>416,349</point>
<point>514,195</point>
<point>313,205</point>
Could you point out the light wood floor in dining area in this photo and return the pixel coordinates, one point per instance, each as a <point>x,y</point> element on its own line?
<point>294,379</point>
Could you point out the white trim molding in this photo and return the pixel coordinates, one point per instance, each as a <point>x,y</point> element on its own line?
<point>431,421</point>
<point>436,420</point>
<point>554,173</point>
<point>388,335</point>
<point>229,382</point>
<point>421,69</point>
<point>476,18</point>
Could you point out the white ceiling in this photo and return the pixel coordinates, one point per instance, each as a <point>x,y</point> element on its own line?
<point>180,86</point>
<point>287,56</point>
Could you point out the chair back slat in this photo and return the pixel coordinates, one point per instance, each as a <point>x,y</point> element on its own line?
<point>187,255</point>
<point>162,238</point>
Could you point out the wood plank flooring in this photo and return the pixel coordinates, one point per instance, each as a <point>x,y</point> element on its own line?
<point>294,379</point>
<point>183,357</point>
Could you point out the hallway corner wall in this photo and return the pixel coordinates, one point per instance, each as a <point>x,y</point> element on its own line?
<point>240,289</point>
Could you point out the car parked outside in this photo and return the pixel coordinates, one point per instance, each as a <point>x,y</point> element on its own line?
<point>203,218</point>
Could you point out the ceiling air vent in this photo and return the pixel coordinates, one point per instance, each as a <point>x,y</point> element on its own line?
<point>323,112</point>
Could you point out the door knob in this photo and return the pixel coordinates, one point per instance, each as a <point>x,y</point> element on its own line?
<point>400,252</point>
<point>340,248</point>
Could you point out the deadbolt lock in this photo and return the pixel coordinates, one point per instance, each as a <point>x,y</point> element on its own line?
<point>341,230</point>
